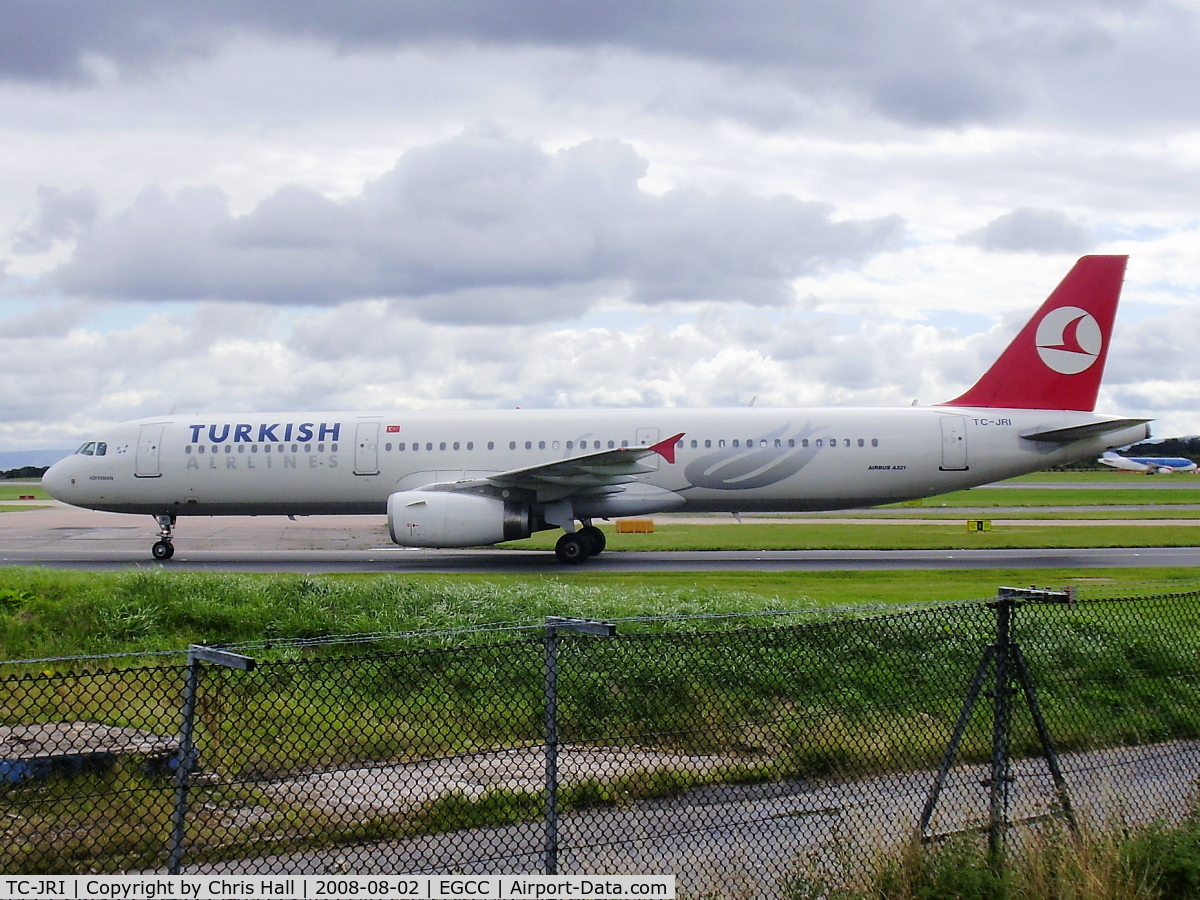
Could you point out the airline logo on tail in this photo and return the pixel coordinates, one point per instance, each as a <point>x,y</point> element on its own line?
<point>1057,359</point>
<point>1069,340</point>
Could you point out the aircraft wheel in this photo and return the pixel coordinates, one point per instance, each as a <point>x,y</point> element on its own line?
<point>162,550</point>
<point>595,537</point>
<point>573,549</point>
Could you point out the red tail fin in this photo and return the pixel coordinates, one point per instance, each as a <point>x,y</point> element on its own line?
<point>1058,358</point>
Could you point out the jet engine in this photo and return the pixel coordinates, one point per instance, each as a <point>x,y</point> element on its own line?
<point>448,519</point>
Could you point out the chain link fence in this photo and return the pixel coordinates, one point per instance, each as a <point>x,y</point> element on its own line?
<point>724,755</point>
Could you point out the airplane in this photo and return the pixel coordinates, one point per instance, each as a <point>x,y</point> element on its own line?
<point>478,478</point>
<point>1148,465</point>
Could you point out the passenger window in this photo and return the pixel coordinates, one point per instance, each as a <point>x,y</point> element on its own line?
<point>707,443</point>
<point>820,443</point>
<point>401,446</point>
<point>200,449</point>
<point>555,445</point>
<point>241,448</point>
<point>456,445</point>
<point>429,445</point>
<point>695,444</point>
<point>570,445</point>
<point>874,442</point>
<point>735,442</point>
<point>442,445</point>
<point>529,445</point>
<point>470,445</point>
<point>778,443</point>
<point>763,443</point>
<point>861,442</point>
<point>611,445</point>
<point>804,442</point>
<point>541,445</point>
<point>721,442</point>
<point>791,442</point>
<point>491,445</point>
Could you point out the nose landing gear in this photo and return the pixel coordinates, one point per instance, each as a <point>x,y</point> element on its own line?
<point>163,548</point>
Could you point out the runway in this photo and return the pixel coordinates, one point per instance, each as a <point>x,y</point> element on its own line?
<point>63,537</point>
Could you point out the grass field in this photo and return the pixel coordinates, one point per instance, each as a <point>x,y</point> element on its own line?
<point>51,613</point>
<point>16,490</point>
<point>810,534</point>
<point>847,693</point>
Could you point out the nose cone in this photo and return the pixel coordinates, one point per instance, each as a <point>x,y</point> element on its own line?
<point>57,480</point>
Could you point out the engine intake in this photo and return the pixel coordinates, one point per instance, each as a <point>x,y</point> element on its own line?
<point>447,519</point>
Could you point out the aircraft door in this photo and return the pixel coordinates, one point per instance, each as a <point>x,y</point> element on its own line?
<point>366,448</point>
<point>149,442</point>
<point>954,444</point>
<point>647,437</point>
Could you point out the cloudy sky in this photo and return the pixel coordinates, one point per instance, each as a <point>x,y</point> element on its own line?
<point>302,205</point>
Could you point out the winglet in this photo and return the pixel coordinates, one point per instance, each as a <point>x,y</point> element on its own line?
<point>666,449</point>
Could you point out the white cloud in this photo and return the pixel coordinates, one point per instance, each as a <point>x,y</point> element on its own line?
<point>255,206</point>
<point>480,228</point>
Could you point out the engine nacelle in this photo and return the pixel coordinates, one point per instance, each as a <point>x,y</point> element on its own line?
<point>447,519</point>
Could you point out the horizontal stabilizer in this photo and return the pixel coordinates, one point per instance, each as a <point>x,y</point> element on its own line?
<point>1074,433</point>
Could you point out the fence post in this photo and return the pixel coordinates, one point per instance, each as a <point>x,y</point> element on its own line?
<point>187,742</point>
<point>555,624</point>
<point>1000,777</point>
<point>550,687</point>
<point>1005,656</point>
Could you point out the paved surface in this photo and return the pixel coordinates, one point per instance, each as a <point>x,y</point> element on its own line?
<point>720,838</point>
<point>60,536</point>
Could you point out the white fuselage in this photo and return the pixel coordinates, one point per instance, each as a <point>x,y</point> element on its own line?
<point>729,460</point>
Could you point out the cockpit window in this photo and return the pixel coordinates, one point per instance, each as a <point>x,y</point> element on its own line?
<point>101,448</point>
<point>87,449</point>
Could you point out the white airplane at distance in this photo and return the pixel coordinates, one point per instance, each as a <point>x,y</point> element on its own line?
<point>464,479</point>
<point>1148,465</point>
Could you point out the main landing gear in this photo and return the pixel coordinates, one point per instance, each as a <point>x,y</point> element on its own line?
<point>575,547</point>
<point>163,548</point>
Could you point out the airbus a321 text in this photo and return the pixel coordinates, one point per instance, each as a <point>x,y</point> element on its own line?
<point>465,479</point>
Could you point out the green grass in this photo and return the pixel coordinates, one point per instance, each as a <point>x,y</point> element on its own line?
<point>839,694</point>
<point>814,534</point>
<point>50,613</point>
<point>15,490</point>
<point>1065,496</point>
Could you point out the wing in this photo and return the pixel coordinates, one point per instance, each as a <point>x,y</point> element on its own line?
<point>592,474</point>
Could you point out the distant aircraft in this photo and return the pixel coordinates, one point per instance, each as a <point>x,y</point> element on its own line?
<point>464,479</point>
<point>1148,465</point>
